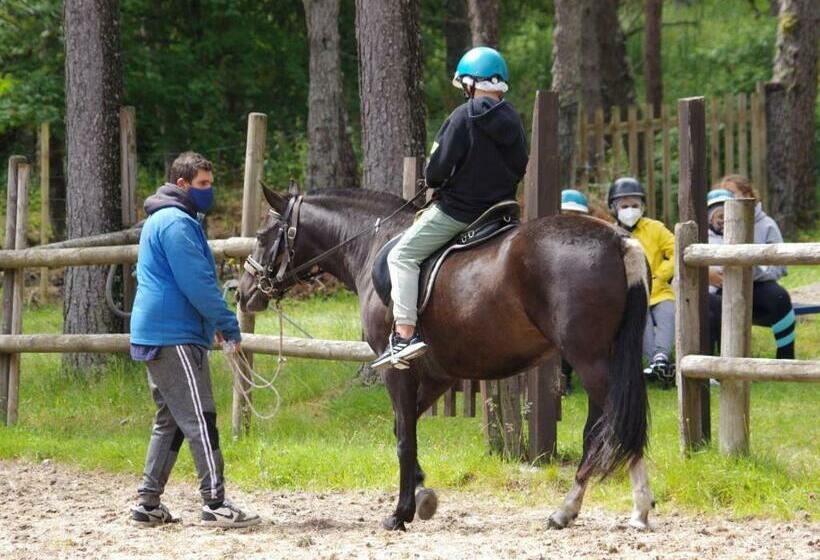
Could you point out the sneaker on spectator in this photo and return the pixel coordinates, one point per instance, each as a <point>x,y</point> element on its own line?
<point>228,515</point>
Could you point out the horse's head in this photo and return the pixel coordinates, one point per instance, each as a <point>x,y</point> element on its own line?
<point>267,270</point>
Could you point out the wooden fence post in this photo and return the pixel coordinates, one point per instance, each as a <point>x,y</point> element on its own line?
<point>692,206</point>
<point>714,139</point>
<point>8,279</point>
<point>616,142</point>
<point>742,140</point>
<point>632,131</point>
<point>128,191</point>
<point>666,170</point>
<point>728,136</point>
<point>736,330</point>
<point>23,175</point>
<point>687,337</point>
<point>761,126</point>
<point>543,198</point>
<point>251,206</point>
<point>45,203</point>
<point>649,161</point>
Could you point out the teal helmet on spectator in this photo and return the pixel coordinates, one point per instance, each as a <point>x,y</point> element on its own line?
<point>718,196</point>
<point>574,201</point>
<point>482,68</point>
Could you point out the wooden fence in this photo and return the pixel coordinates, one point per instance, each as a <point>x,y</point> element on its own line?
<point>733,368</point>
<point>639,144</point>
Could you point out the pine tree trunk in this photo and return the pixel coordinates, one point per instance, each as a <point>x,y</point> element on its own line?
<point>566,79</point>
<point>457,34</point>
<point>652,55</point>
<point>93,90</point>
<point>392,97</point>
<point>483,22</point>
<point>331,161</point>
<point>617,83</point>
<point>795,67</point>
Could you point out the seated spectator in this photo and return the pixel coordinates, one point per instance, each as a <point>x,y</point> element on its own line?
<point>771,304</point>
<point>574,202</point>
<point>626,202</point>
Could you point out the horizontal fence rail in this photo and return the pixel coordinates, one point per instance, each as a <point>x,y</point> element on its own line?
<point>749,254</point>
<point>750,369</point>
<point>123,254</point>
<point>342,350</point>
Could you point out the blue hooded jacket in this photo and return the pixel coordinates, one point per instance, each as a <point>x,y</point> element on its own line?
<point>178,299</point>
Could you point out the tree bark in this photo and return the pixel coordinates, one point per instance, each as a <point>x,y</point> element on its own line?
<point>483,22</point>
<point>652,55</point>
<point>392,97</point>
<point>457,33</point>
<point>93,90</point>
<point>331,161</point>
<point>795,67</point>
<point>566,79</point>
<point>617,82</point>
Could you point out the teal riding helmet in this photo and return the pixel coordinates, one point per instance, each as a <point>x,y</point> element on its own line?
<point>481,64</point>
<point>718,196</point>
<point>574,201</point>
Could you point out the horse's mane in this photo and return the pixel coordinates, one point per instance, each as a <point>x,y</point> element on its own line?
<point>361,197</point>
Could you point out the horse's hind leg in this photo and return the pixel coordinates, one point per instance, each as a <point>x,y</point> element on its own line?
<point>569,510</point>
<point>641,495</point>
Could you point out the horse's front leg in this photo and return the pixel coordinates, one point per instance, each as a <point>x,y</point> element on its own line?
<point>403,387</point>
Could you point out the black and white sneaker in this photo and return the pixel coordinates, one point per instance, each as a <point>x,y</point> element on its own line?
<point>662,369</point>
<point>400,351</point>
<point>228,515</point>
<point>151,517</point>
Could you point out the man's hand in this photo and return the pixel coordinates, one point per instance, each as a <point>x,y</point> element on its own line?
<point>715,278</point>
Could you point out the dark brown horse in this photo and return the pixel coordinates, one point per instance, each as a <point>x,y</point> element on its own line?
<point>567,284</point>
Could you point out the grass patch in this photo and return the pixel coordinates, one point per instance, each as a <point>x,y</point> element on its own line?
<point>333,433</point>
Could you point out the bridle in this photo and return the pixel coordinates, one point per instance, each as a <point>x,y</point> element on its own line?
<point>274,281</point>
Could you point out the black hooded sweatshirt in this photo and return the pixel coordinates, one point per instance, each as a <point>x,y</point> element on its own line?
<point>478,158</point>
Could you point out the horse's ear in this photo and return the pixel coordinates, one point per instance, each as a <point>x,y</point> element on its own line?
<point>293,187</point>
<point>276,201</point>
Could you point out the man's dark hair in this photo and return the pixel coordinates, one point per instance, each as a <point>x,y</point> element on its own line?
<point>186,166</point>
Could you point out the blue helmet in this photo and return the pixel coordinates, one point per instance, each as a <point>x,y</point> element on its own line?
<point>481,64</point>
<point>574,200</point>
<point>718,196</point>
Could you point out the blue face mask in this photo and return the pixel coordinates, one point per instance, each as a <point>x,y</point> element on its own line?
<point>203,199</point>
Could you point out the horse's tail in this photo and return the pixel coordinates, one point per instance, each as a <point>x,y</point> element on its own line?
<point>622,430</point>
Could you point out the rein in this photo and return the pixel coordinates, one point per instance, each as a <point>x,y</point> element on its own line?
<point>269,281</point>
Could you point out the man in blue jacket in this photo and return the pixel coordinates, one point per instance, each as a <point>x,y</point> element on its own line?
<point>178,312</point>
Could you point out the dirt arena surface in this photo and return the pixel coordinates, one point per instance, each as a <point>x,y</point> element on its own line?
<point>55,511</point>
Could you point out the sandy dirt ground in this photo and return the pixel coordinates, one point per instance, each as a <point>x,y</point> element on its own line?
<point>55,511</point>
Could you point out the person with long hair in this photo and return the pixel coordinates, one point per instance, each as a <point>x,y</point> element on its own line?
<point>771,303</point>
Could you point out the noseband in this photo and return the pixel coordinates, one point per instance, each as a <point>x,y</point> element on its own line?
<point>275,282</point>
<point>269,279</point>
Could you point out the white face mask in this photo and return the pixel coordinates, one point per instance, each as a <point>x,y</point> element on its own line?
<point>629,216</point>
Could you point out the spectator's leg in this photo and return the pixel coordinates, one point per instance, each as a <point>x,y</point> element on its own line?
<point>715,313</point>
<point>772,307</point>
<point>664,314</point>
<point>649,334</point>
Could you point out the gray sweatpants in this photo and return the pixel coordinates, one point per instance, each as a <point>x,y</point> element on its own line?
<point>660,330</point>
<point>430,232</point>
<point>180,383</point>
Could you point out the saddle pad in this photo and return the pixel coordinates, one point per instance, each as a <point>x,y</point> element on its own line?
<point>430,267</point>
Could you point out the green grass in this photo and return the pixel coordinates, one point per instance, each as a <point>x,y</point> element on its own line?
<point>333,433</point>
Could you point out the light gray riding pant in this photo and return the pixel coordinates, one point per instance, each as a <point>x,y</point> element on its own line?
<point>430,232</point>
<point>659,335</point>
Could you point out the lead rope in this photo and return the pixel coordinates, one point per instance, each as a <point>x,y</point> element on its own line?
<point>243,372</point>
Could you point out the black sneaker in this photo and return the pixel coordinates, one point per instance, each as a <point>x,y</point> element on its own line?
<point>228,516</point>
<point>661,368</point>
<point>400,351</point>
<point>145,517</point>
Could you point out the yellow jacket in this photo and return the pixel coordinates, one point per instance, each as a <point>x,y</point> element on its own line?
<point>659,245</point>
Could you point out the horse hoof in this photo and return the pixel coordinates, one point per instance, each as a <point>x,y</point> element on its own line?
<point>637,523</point>
<point>393,523</point>
<point>426,503</point>
<point>558,520</point>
